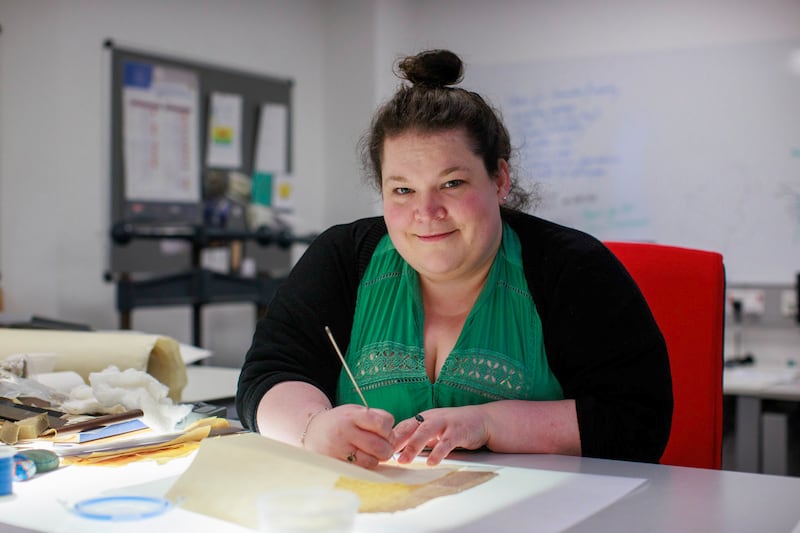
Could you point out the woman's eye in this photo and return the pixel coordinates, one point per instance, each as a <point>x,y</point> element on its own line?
<point>402,190</point>
<point>453,183</point>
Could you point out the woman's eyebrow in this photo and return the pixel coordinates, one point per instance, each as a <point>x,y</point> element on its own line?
<point>450,170</point>
<point>447,171</point>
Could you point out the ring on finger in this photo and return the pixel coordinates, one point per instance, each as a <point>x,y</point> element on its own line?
<point>352,457</point>
<point>419,418</point>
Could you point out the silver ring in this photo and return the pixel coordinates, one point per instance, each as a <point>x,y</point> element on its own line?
<point>351,458</point>
<point>419,418</point>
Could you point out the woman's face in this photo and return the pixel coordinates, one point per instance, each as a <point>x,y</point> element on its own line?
<point>440,205</point>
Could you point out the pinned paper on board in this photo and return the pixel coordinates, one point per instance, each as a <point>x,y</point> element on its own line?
<point>262,188</point>
<point>271,140</point>
<point>160,115</point>
<point>224,131</point>
<point>283,192</point>
<point>274,190</point>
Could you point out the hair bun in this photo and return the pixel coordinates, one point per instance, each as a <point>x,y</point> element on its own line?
<point>434,68</point>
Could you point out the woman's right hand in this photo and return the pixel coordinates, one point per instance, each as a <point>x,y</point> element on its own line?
<point>352,433</point>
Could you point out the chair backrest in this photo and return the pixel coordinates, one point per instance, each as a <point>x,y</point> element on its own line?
<point>685,290</point>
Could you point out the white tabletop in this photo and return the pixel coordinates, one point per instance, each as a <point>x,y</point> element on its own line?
<point>767,381</point>
<point>208,383</point>
<point>671,499</point>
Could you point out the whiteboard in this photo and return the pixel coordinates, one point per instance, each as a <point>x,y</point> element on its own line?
<point>697,148</point>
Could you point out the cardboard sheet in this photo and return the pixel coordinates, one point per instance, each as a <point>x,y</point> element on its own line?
<point>84,352</point>
<point>229,472</point>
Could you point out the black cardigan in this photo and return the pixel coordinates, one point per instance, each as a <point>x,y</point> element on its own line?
<point>601,340</point>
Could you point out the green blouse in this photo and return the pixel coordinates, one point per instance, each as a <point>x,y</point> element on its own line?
<point>499,354</point>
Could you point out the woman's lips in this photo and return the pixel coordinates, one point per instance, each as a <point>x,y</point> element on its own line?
<point>435,236</point>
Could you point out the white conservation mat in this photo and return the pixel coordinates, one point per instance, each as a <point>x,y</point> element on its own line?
<point>554,500</point>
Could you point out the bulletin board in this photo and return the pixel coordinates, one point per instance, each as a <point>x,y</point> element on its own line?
<point>184,134</point>
<point>697,148</point>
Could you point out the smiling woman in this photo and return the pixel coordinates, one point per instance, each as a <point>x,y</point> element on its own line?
<point>466,322</point>
<point>441,206</point>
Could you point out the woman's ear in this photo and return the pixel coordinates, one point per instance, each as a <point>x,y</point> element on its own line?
<point>502,180</point>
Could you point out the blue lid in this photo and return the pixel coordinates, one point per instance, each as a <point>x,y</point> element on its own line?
<point>121,507</point>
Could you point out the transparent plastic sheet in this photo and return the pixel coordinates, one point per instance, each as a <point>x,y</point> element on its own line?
<point>13,387</point>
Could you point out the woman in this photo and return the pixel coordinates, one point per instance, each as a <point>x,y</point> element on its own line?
<point>466,322</point>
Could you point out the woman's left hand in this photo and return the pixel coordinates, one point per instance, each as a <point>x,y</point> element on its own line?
<point>441,430</point>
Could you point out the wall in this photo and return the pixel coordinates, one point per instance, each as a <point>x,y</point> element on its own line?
<point>517,30</point>
<point>514,31</point>
<point>349,78</point>
<point>53,139</point>
<point>53,157</point>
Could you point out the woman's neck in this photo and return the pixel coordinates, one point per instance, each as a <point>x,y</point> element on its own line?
<point>452,298</point>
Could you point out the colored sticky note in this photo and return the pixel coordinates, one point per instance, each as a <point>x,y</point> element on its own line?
<point>262,188</point>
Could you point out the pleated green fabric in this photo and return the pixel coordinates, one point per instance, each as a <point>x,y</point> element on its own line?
<point>499,354</point>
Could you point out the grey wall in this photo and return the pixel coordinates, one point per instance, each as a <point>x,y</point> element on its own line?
<point>54,119</point>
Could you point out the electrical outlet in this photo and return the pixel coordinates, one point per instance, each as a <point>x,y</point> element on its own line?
<point>752,301</point>
<point>789,303</point>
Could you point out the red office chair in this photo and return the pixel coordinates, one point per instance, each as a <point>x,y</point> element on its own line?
<point>685,290</point>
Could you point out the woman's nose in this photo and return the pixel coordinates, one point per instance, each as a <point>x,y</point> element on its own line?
<point>429,207</point>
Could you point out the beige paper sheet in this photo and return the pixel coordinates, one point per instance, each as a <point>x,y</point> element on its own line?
<point>229,472</point>
<point>87,351</point>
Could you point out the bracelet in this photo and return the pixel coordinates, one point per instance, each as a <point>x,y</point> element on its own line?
<point>308,423</point>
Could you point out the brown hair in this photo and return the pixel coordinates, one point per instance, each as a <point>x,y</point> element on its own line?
<point>431,104</point>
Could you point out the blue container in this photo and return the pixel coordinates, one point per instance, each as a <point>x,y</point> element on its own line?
<point>6,469</point>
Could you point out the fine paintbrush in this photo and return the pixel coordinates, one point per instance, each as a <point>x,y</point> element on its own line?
<point>346,368</point>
